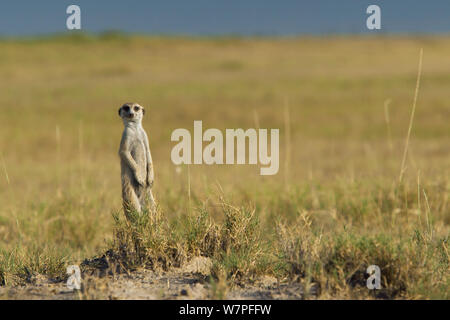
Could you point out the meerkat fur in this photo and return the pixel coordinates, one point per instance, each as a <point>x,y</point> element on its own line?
<point>136,165</point>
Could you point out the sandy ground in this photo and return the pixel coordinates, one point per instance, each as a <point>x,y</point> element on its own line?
<point>189,282</point>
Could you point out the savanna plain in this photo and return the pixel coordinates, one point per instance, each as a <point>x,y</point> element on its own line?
<point>363,177</point>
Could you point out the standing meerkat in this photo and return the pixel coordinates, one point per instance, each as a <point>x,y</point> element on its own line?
<point>135,161</point>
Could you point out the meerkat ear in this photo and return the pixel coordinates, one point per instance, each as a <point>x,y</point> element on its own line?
<point>143,111</point>
<point>120,109</point>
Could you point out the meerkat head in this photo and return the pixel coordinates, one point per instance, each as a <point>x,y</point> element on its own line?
<point>131,112</point>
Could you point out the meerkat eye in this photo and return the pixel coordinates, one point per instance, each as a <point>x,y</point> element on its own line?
<point>136,108</point>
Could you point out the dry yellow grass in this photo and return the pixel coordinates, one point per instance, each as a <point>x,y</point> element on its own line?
<point>59,134</point>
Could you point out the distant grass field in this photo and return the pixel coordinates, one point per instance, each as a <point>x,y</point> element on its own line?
<point>335,207</point>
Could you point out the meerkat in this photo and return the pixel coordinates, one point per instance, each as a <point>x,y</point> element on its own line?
<point>135,161</point>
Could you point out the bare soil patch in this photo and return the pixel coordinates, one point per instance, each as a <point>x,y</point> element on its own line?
<point>192,281</point>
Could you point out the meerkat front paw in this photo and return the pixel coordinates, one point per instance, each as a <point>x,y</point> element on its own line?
<point>140,180</point>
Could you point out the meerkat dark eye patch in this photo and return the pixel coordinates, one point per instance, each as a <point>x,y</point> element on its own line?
<point>136,108</point>
<point>125,108</point>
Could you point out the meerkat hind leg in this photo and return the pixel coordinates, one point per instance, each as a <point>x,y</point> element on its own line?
<point>131,205</point>
<point>147,201</point>
<point>151,200</point>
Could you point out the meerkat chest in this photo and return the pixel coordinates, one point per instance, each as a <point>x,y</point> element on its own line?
<point>138,151</point>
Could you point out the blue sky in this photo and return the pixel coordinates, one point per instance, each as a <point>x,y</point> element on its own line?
<point>218,17</point>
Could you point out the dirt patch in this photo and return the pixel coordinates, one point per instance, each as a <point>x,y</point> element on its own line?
<point>192,281</point>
